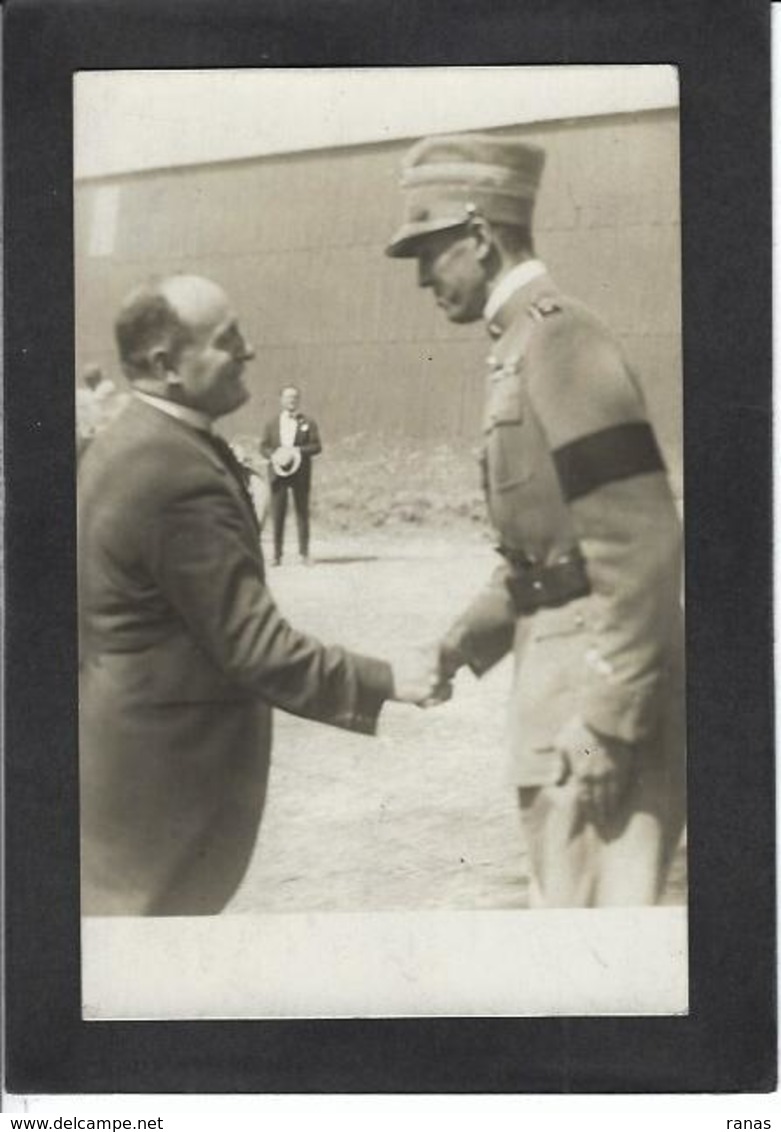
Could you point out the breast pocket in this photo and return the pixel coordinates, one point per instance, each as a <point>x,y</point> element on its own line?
<point>508,449</point>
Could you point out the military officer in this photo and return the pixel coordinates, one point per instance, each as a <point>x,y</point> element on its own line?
<point>587,592</point>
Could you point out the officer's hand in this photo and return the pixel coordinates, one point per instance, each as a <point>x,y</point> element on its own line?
<point>446,663</point>
<point>417,678</point>
<point>600,767</point>
<point>450,659</point>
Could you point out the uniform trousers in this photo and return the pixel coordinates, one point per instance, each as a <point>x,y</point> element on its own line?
<point>575,863</point>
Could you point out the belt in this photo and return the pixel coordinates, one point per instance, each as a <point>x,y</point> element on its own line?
<point>533,586</point>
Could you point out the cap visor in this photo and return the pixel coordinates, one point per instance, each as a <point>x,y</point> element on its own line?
<point>404,244</point>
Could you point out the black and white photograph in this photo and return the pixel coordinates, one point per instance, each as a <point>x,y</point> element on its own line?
<point>380,542</point>
<point>387,592</point>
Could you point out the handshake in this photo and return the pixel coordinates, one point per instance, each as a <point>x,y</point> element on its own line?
<point>423,676</point>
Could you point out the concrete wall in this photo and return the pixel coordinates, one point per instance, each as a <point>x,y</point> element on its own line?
<point>297,241</point>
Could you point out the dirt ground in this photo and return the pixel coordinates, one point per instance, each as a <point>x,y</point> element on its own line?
<point>420,817</point>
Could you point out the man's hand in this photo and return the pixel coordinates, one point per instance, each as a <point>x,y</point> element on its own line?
<point>447,663</point>
<point>417,678</point>
<point>600,766</point>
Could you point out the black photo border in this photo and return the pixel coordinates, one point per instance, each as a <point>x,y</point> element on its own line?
<point>727,1043</point>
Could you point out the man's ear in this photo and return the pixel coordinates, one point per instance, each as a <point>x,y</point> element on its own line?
<point>480,230</point>
<point>161,368</point>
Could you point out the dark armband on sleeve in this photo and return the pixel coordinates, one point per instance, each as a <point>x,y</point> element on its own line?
<point>615,453</point>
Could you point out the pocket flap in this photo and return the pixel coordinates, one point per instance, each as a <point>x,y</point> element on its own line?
<point>566,621</point>
<point>504,407</point>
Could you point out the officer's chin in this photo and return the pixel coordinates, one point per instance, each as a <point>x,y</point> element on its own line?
<point>460,315</point>
<point>457,310</point>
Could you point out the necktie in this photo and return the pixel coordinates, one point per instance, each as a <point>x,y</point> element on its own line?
<point>225,452</point>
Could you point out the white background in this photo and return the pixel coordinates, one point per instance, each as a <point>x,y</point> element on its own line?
<point>131,120</point>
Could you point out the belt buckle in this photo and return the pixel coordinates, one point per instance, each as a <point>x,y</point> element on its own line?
<point>533,586</point>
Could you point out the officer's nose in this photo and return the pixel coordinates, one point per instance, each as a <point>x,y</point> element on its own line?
<point>424,273</point>
<point>247,352</point>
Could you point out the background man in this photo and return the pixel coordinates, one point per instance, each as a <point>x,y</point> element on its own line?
<point>588,592</point>
<point>289,442</point>
<point>182,648</point>
<point>97,401</point>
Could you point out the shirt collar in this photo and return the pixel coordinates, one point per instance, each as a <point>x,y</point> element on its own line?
<point>183,413</point>
<point>515,278</point>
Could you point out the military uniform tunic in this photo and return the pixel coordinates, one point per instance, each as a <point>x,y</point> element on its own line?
<point>585,516</point>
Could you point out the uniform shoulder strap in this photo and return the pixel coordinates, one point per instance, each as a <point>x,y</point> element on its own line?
<point>543,308</point>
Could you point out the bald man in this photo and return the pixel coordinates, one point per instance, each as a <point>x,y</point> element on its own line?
<point>183,651</point>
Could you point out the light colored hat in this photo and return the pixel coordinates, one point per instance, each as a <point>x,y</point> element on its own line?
<point>286,461</point>
<point>448,179</point>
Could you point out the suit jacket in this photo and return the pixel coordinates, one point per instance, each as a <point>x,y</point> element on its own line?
<point>307,438</point>
<point>182,654</point>
<point>571,463</point>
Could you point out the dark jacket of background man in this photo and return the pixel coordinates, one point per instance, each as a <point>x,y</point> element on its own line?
<point>299,482</point>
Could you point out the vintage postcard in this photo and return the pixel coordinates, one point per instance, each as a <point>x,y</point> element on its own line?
<point>436,315</point>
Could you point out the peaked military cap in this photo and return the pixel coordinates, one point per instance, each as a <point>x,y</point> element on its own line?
<point>447,179</point>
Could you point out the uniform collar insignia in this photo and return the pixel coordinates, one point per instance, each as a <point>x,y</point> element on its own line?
<point>518,302</point>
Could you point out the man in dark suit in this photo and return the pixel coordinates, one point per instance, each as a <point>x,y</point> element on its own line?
<point>182,648</point>
<point>289,442</point>
<point>587,594</point>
